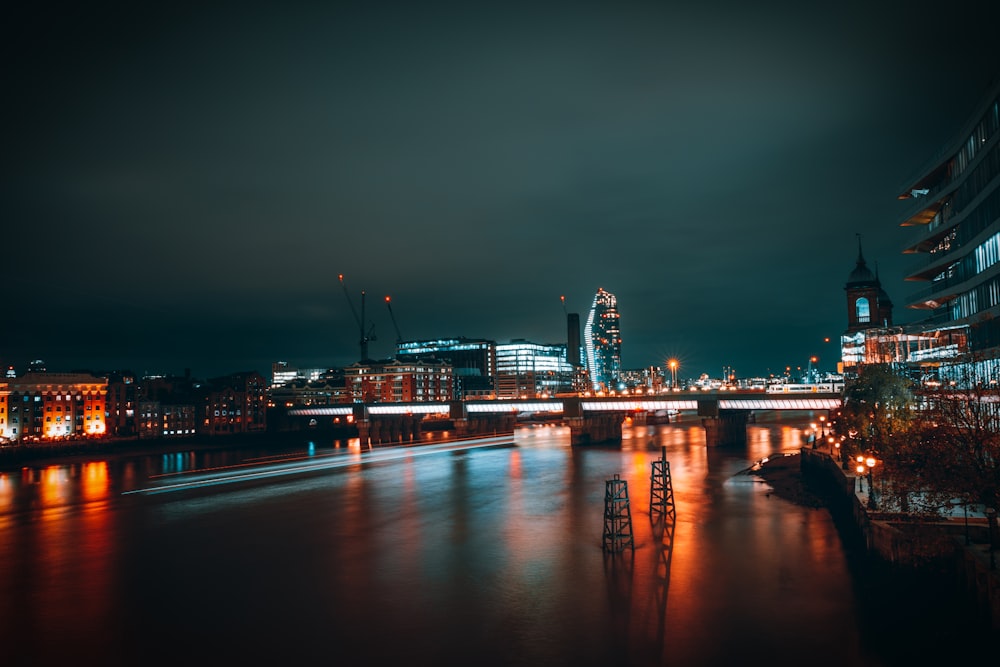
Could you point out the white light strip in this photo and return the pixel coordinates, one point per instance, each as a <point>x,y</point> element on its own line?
<point>319,412</point>
<point>514,406</point>
<point>409,408</point>
<point>639,405</point>
<point>780,404</point>
<point>586,406</point>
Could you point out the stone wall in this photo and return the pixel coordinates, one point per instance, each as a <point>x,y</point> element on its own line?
<point>950,546</point>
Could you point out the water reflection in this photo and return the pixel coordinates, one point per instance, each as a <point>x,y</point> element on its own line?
<point>485,556</point>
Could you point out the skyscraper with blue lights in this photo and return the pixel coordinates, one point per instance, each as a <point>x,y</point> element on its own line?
<point>603,341</point>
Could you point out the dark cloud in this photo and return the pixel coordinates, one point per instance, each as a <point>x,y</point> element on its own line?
<point>182,184</point>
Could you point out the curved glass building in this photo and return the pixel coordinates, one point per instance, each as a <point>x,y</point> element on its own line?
<point>953,207</point>
<point>603,342</point>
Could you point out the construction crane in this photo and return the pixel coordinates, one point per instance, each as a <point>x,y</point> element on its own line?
<point>388,304</point>
<point>365,337</point>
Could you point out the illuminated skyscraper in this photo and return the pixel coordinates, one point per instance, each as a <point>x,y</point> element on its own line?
<point>603,341</point>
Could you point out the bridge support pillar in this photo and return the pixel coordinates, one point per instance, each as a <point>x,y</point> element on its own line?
<point>594,428</point>
<point>729,427</point>
<point>364,431</point>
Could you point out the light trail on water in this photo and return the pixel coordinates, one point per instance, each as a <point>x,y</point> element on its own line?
<point>208,477</point>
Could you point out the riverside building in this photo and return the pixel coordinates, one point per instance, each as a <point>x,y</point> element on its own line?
<point>953,213</point>
<point>43,406</point>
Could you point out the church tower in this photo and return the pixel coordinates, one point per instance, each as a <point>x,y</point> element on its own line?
<point>868,305</point>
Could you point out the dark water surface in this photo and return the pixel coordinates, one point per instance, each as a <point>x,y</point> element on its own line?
<point>486,556</point>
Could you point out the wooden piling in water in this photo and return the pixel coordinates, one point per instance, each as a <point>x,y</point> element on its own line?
<point>617,516</point>
<point>661,489</point>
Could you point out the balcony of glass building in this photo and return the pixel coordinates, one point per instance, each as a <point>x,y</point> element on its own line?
<point>934,295</point>
<point>927,266</point>
<point>926,229</point>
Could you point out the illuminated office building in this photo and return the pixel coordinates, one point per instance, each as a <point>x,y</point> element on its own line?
<point>531,370</point>
<point>603,342</point>
<point>472,360</point>
<point>282,373</point>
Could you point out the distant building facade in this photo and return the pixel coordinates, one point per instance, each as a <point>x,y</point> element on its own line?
<point>603,342</point>
<point>122,402</point>
<point>43,406</point>
<point>399,381</point>
<point>529,370</point>
<point>282,373</point>
<point>168,406</point>
<point>304,393</point>
<point>235,403</point>
<point>473,362</point>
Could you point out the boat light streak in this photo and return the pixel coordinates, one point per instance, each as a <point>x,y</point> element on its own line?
<point>239,473</point>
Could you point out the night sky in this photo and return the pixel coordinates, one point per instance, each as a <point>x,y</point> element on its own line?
<point>182,184</point>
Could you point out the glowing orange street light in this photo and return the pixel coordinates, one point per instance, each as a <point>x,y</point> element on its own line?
<point>870,462</point>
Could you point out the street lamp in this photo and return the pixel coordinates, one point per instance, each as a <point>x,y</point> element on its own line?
<point>860,486</point>
<point>870,462</point>
<point>673,373</point>
<point>991,517</point>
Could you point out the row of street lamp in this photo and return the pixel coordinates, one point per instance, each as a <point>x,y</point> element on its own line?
<point>864,463</point>
<point>865,466</point>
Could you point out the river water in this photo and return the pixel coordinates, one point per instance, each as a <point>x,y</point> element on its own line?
<point>330,553</point>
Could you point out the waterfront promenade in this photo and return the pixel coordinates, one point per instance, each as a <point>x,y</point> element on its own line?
<point>955,545</point>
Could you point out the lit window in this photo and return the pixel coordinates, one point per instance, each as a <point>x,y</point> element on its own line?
<point>863,310</point>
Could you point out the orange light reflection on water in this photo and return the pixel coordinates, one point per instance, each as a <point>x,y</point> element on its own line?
<point>54,488</point>
<point>95,480</point>
<point>6,492</point>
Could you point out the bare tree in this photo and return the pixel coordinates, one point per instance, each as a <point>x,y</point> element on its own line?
<point>935,447</point>
<point>962,441</point>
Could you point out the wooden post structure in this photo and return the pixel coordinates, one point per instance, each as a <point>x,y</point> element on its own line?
<point>617,516</point>
<point>661,489</point>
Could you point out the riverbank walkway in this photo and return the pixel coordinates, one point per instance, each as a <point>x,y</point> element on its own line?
<point>961,534</point>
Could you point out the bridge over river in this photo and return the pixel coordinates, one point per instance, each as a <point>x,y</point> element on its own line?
<point>724,414</point>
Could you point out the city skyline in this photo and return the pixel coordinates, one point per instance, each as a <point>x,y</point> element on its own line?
<point>184,185</point>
